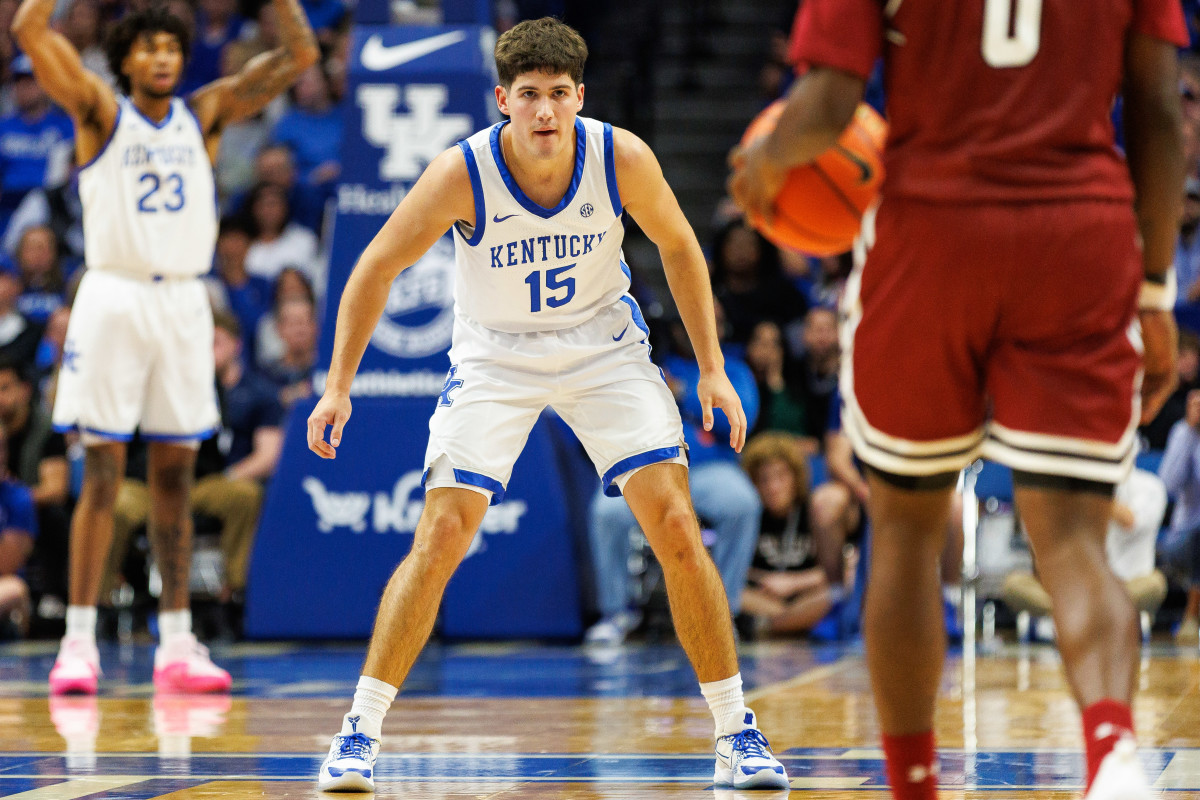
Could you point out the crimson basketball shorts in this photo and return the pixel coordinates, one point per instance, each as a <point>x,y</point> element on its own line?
<point>1003,331</point>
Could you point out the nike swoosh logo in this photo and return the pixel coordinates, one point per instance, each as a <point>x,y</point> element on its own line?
<point>498,218</point>
<point>857,160</point>
<point>377,57</point>
<point>622,336</point>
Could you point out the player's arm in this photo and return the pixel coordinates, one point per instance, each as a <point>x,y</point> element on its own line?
<point>1154,149</point>
<point>650,201</point>
<point>440,197</point>
<point>264,77</point>
<point>59,70</point>
<point>819,107</point>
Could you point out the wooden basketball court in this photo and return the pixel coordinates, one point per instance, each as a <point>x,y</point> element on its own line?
<point>528,721</point>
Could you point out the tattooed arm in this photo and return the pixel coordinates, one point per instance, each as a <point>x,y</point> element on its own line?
<point>264,77</point>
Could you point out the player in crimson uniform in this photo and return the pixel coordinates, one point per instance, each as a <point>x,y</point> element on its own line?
<point>997,312</point>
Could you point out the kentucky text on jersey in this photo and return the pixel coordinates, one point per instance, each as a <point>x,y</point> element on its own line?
<point>168,155</point>
<point>574,246</point>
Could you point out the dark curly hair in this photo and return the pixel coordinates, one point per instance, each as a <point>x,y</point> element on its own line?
<point>545,45</point>
<point>151,20</point>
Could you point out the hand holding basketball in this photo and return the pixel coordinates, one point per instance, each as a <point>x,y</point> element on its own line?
<point>815,208</point>
<point>332,409</point>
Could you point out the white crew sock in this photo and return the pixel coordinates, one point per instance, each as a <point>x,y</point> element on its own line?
<point>173,624</point>
<point>81,622</point>
<point>372,699</point>
<point>726,703</point>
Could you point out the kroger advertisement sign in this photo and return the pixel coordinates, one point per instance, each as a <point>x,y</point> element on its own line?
<point>332,531</point>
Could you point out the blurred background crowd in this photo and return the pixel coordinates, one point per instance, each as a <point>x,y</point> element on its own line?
<point>784,520</point>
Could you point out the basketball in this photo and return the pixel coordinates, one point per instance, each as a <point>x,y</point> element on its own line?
<point>819,209</point>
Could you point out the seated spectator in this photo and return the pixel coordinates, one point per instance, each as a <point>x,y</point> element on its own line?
<point>797,573</point>
<point>274,164</point>
<point>19,335</point>
<point>291,373</point>
<point>816,370</point>
<point>1137,514</point>
<point>18,531</point>
<point>217,24</point>
<point>41,274</point>
<point>292,284</point>
<point>748,282</point>
<point>278,241</point>
<point>247,296</point>
<point>723,496</point>
<point>58,208</point>
<point>37,457</point>
<point>81,26</point>
<point>231,466</point>
<point>781,404</point>
<point>1187,367</point>
<point>1179,551</point>
<point>34,141</point>
<point>312,131</point>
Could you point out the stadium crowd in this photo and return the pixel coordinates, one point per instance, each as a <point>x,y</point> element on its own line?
<point>784,520</point>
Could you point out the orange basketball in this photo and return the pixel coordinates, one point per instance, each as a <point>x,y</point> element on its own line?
<point>820,207</point>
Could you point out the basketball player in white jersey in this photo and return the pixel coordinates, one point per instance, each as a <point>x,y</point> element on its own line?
<point>543,318</point>
<point>139,346</point>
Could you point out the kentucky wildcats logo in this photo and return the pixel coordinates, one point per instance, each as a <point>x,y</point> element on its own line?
<point>418,319</point>
<point>414,139</point>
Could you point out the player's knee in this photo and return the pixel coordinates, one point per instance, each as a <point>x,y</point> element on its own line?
<point>102,477</point>
<point>442,542</point>
<point>173,479</point>
<point>676,538</point>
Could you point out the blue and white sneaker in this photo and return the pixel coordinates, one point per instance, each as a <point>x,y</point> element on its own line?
<point>744,759</point>
<point>350,765</point>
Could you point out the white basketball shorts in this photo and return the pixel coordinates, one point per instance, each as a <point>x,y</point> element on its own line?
<point>597,376</point>
<point>139,353</point>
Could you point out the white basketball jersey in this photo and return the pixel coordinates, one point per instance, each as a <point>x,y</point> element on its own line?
<point>149,200</point>
<point>528,268</point>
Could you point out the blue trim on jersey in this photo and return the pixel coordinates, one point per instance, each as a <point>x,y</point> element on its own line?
<point>633,462</point>
<point>515,190</point>
<point>477,190</point>
<point>483,482</point>
<point>156,125</point>
<point>107,142</point>
<point>178,437</point>
<point>610,170</point>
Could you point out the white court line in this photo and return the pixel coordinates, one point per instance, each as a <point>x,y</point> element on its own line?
<point>1182,772</point>
<point>75,787</point>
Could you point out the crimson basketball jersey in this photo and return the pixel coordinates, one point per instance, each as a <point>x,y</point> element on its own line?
<point>992,100</point>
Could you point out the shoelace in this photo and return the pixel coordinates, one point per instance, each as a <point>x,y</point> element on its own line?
<point>752,744</point>
<point>356,745</point>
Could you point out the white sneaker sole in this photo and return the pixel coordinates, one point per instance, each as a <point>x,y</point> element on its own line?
<point>346,782</point>
<point>763,779</point>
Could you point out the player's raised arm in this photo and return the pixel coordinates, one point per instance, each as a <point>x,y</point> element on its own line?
<point>440,197</point>
<point>1154,149</point>
<point>59,70</point>
<point>265,76</point>
<point>650,201</point>
<point>819,107</point>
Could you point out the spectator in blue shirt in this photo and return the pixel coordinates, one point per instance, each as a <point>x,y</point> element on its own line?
<point>18,530</point>
<point>725,499</point>
<point>42,282</point>
<point>1179,550</point>
<point>248,296</point>
<point>31,139</point>
<point>312,130</point>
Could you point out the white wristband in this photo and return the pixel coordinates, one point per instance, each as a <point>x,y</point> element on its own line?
<point>1159,296</point>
